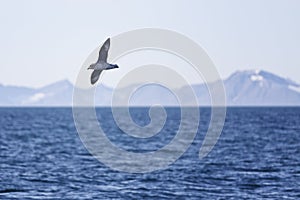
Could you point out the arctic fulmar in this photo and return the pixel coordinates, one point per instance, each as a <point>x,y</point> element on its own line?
<point>101,63</point>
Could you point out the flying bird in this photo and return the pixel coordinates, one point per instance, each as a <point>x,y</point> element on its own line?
<point>101,63</point>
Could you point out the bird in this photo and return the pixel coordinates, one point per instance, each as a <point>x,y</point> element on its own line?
<point>101,63</point>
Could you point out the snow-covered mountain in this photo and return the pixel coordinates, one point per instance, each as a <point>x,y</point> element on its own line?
<point>243,88</point>
<point>256,87</point>
<point>56,94</point>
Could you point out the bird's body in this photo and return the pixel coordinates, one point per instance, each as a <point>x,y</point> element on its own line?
<point>102,66</point>
<point>101,63</point>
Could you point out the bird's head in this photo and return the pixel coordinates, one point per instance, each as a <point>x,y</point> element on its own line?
<point>92,66</point>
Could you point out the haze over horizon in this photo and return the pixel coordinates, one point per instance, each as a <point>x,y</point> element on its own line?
<point>109,86</point>
<point>43,42</point>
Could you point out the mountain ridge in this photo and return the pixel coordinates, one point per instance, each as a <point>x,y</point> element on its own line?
<point>243,88</point>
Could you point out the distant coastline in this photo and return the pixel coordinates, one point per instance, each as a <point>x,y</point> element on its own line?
<point>250,88</point>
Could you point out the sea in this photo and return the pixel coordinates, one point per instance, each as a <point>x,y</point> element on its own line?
<point>256,157</point>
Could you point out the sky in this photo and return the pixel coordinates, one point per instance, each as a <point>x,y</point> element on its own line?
<point>46,41</point>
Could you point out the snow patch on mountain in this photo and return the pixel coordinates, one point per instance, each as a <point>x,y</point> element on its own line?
<point>257,78</point>
<point>36,97</point>
<point>294,88</point>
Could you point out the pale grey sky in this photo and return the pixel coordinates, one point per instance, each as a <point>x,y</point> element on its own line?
<point>45,41</point>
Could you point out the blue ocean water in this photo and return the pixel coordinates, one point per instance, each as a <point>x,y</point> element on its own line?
<point>256,157</point>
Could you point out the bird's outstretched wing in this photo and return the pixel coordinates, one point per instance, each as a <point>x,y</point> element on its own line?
<point>95,76</point>
<point>103,51</point>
